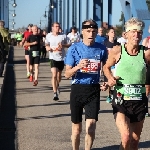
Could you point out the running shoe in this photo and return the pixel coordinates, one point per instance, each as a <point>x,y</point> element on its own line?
<point>35,83</point>
<point>28,75</point>
<point>31,78</point>
<point>108,99</point>
<point>55,97</point>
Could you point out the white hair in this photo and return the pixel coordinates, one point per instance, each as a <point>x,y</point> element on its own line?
<point>134,21</point>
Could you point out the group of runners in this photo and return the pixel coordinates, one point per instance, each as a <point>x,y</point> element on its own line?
<point>125,64</point>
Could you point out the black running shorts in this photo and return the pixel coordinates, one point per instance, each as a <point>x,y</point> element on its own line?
<point>57,64</point>
<point>133,109</point>
<point>34,60</point>
<point>26,52</point>
<point>84,96</point>
<point>148,75</point>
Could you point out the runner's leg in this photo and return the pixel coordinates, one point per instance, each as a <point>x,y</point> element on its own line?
<point>90,133</point>
<point>136,129</point>
<point>75,137</point>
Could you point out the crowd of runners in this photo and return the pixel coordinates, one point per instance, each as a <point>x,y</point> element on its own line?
<point>123,62</point>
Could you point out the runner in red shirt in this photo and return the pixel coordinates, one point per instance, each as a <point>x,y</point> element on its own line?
<point>25,36</point>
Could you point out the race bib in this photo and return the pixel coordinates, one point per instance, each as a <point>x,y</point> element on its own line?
<point>35,53</point>
<point>133,92</point>
<point>92,68</point>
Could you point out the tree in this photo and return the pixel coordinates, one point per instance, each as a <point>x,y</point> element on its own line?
<point>148,4</point>
<point>121,17</point>
<point>118,30</point>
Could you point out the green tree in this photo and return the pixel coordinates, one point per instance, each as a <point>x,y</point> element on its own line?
<point>118,30</point>
<point>148,4</point>
<point>121,17</point>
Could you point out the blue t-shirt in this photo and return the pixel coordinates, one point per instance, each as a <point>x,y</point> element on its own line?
<point>100,39</point>
<point>95,54</point>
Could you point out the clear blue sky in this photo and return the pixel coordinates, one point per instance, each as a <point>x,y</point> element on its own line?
<point>30,11</point>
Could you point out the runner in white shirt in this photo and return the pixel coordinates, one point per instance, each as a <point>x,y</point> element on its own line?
<point>55,44</point>
<point>73,36</point>
<point>122,40</point>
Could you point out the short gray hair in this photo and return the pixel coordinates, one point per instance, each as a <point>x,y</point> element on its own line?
<point>134,21</point>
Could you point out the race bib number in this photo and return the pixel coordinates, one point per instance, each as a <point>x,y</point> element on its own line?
<point>35,53</point>
<point>92,68</point>
<point>132,92</point>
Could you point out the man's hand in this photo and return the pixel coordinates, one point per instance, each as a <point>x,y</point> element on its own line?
<point>112,81</point>
<point>48,48</point>
<point>104,86</point>
<point>59,48</point>
<point>83,63</point>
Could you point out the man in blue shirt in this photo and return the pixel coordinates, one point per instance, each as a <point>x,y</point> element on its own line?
<point>100,38</point>
<point>83,65</point>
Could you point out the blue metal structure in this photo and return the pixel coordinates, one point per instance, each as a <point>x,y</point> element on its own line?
<point>139,9</point>
<point>73,12</point>
<point>4,12</point>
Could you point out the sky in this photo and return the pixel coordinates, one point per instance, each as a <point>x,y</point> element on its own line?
<point>31,11</point>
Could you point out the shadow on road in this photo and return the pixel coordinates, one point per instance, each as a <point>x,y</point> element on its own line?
<point>112,147</point>
<point>145,144</point>
<point>8,109</point>
<point>58,103</point>
<point>43,117</point>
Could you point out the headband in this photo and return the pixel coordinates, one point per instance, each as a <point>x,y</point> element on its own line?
<point>134,27</point>
<point>89,26</point>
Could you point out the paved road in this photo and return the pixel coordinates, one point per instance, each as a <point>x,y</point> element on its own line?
<point>31,120</point>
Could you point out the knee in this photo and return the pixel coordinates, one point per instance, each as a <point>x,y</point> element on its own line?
<point>76,131</point>
<point>125,138</point>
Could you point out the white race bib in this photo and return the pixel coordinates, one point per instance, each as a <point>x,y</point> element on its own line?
<point>92,68</point>
<point>133,92</point>
<point>35,53</point>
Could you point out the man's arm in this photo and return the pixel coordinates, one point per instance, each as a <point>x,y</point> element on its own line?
<point>104,59</point>
<point>29,44</point>
<point>111,61</point>
<point>147,55</point>
<point>71,67</point>
<point>70,71</point>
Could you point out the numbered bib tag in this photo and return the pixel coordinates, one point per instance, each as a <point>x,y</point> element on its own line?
<point>132,92</point>
<point>92,68</point>
<point>35,53</point>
